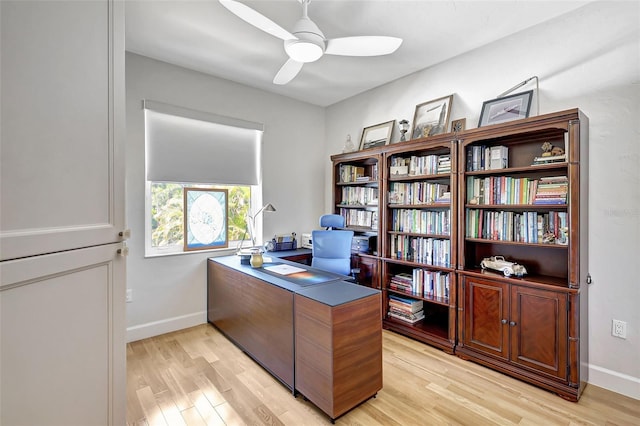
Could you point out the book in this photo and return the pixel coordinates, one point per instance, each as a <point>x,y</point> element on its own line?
<point>498,157</point>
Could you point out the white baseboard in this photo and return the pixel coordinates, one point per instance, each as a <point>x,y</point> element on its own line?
<point>614,381</point>
<point>156,328</point>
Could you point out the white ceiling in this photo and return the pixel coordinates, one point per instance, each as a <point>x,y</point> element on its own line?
<point>204,36</point>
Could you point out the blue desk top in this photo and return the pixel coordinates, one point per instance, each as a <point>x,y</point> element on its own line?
<point>322,286</point>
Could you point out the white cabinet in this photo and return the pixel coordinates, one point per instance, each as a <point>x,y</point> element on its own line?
<point>62,282</point>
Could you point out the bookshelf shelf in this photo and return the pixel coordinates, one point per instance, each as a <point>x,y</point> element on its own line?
<point>540,168</point>
<point>517,243</point>
<point>438,300</point>
<point>517,206</point>
<point>420,206</point>
<point>409,178</point>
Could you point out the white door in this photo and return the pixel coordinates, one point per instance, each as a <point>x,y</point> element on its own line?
<point>62,284</point>
<point>62,358</point>
<point>62,125</point>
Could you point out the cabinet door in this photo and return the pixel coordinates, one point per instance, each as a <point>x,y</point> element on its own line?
<point>61,169</point>
<point>368,275</point>
<point>62,325</point>
<point>538,324</point>
<point>486,310</point>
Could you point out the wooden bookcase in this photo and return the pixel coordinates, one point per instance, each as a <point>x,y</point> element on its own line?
<point>531,326</point>
<point>419,244</point>
<point>357,194</point>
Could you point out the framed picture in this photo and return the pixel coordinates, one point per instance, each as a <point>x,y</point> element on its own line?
<point>459,125</point>
<point>205,218</point>
<point>377,135</point>
<point>431,118</point>
<point>508,108</point>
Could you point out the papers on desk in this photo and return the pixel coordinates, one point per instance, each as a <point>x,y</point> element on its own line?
<point>283,269</point>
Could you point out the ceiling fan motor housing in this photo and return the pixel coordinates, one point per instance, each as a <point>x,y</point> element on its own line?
<point>310,43</point>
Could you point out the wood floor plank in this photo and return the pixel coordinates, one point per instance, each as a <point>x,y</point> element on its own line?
<point>196,376</point>
<point>192,417</point>
<point>170,410</point>
<point>209,415</point>
<point>229,415</point>
<point>153,414</point>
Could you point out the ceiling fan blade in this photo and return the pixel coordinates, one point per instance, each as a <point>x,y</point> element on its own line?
<point>256,19</point>
<point>362,45</point>
<point>288,72</point>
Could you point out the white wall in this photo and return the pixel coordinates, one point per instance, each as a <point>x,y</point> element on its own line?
<point>169,292</point>
<point>589,59</point>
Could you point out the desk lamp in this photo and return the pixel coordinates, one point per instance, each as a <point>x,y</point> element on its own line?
<point>251,226</point>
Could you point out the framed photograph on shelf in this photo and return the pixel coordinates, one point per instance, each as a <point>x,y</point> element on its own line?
<point>431,118</point>
<point>459,125</point>
<point>377,135</point>
<point>508,108</point>
<point>205,218</point>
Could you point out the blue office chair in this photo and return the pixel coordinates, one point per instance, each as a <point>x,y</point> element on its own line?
<point>331,248</point>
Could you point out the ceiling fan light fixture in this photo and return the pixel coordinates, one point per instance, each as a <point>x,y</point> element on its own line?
<point>303,50</point>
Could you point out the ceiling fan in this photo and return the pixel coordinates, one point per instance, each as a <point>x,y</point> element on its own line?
<point>306,43</point>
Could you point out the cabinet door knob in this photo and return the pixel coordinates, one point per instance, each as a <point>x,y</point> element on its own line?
<point>504,321</point>
<point>512,323</point>
<point>125,234</point>
<point>124,250</point>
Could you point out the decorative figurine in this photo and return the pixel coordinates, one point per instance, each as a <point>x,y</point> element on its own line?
<point>348,145</point>
<point>498,263</point>
<point>404,127</point>
<point>548,150</point>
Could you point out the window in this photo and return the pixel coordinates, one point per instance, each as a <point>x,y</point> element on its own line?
<point>188,148</point>
<point>166,215</point>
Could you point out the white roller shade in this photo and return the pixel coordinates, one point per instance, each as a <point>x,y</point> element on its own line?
<point>184,145</point>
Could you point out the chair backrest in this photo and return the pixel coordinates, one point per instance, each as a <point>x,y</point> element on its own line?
<point>331,250</point>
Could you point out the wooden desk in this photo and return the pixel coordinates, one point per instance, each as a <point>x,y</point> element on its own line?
<point>322,339</point>
<point>300,255</point>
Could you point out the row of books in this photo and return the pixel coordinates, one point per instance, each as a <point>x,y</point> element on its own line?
<point>418,193</point>
<point>421,282</point>
<point>552,190</point>
<point>423,165</point>
<point>405,309</point>
<point>360,218</point>
<point>350,173</point>
<point>524,227</point>
<point>359,196</point>
<point>506,190</point>
<point>482,157</point>
<point>421,221</point>
<point>430,251</point>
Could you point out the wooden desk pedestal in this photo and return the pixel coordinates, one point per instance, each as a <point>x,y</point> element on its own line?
<point>338,357</point>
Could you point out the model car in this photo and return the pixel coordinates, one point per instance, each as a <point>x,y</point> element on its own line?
<point>498,263</point>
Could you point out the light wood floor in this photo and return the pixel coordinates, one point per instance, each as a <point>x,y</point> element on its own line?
<point>197,377</point>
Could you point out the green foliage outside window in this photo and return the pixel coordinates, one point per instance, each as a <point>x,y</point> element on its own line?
<point>167,212</point>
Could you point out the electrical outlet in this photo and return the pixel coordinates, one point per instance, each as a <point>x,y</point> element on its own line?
<point>619,329</point>
<point>129,295</point>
